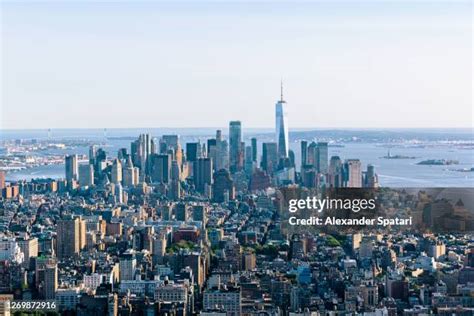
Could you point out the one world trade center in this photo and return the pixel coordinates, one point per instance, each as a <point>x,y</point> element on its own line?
<point>281,126</point>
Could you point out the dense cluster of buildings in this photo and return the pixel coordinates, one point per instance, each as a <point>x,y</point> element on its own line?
<point>164,230</point>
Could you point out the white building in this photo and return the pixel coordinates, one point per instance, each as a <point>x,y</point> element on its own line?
<point>29,247</point>
<point>172,293</point>
<point>140,287</point>
<point>92,281</point>
<point>223,300</point>
<point>354,171</point>
<point>11,251</point>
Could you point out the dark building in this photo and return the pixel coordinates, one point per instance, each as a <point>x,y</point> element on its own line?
<point>223,186</point>
<point>181,212</point>
<point>269,157</point>
<point>304,153</point>
<point>236,152</point>
<point>260,180</point>
<point>254,149</point>
<point>192,151</point>
<point>160,168</point>
<point>202,173</point>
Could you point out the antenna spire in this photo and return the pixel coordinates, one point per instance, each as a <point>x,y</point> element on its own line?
<point>281,89</point>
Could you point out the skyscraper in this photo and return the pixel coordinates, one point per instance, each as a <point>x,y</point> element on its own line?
<point>370,179</point>
<point>192,151</point>
<point>304,153</point>
<point>223,188</point>
<point>281,127</point>
<point>130,173</point>
<point>311,154</point>
<point>269,157</point>
<point>140,150</point>
<point>92,154</point>
<point>220,154</point>
<point>48,280</point>
<point>175,186</point>
<point>160,168</point>
<point>235,142</point>
<point>69,238</point>
<point>335,172</point>
<point>249,162</point>
<point>353,173</point>
<point>254,149</point>
<point>202,174</point>
<point>116,172</point>
<point>322,158</point>
<point>2,179</point>
<point>211,143</point>
<point>127,266</point>
<point>71,168</point>
<point>86,175</point>
<point>169,142</point>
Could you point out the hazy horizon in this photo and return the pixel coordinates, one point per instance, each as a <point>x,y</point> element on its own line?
<point>345,65</point>
<point>223,128</point>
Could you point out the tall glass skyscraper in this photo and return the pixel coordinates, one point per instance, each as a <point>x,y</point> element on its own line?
<point>235,144</point>
<point>281,126</point>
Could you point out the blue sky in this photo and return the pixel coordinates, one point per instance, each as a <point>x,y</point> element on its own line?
<point>202,64</point>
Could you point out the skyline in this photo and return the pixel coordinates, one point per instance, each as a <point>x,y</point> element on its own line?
<point>144,65</point>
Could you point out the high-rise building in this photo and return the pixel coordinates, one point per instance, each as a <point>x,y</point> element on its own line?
<point>179,155</point>
<point>169,142</point>
<point>220,155</point>
<point>304,153</point>
<point>3,175</point>
<point>311,154</point>
<point>270,157</point>
<point>202,174</point>
<point>223,188</point>
<point>281,127</point>
<point>322,158</point>
<point>116,172</point>
<point>181,212</point>
<point>199,212</point>
<point>29,247</point>
<point>353,170</point>
<point>259,180</point>
<point>130,174</point>
<point>309,176</point>
<point>371,178</point>
<point>127,266</point>
<point>249,162</point>
<point>235,143</point>
<point>46,276</point>
<point>86,175</point>
<point>211,143</point>
<point>70,236</point>
<point>92,154</point>
<point>100,161</point>
<point>158,248</point>
<point>50,281</point>
<point>72,171</point>
<point>122,154</point>
<point>175,187</point>
<point>141,149</point>
<point>160,168</point>
<point>335,172</point>
<point>192,151</point>
<point>254,149</point>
